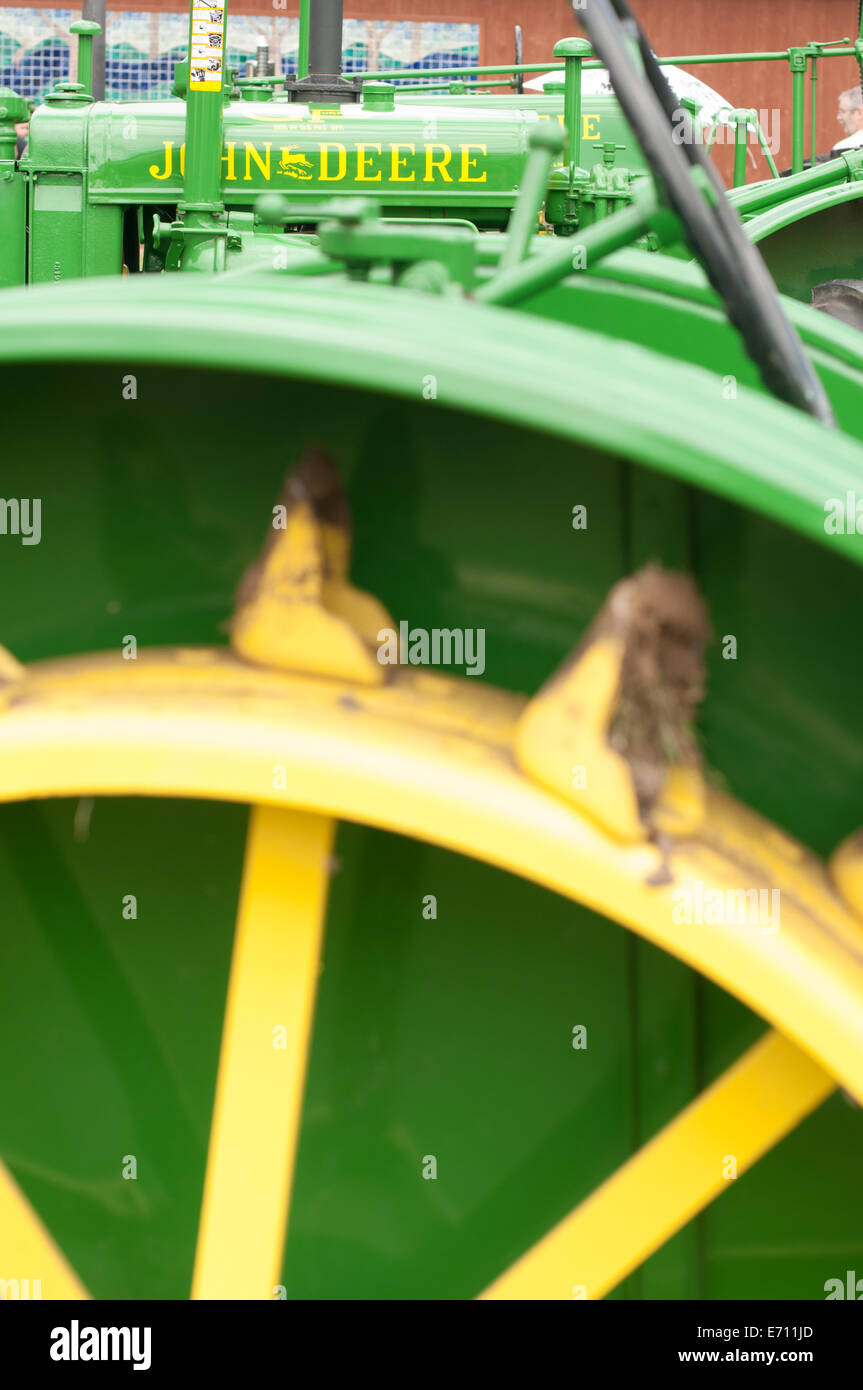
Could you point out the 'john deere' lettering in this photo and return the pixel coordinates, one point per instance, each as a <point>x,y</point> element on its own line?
<point>330,161</point>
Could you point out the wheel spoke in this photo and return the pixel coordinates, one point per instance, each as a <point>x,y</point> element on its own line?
<point>262,1066</point>
<point>431,757</point>
<point>753,1105</point>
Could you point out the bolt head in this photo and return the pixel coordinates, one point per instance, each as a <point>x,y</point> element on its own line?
<point>379,96</point>
<point>572,48</point>
<point>15,108</point>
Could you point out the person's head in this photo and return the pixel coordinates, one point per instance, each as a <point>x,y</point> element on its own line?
<point>850,113</point>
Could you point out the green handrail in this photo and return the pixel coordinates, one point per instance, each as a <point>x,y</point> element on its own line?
<point>303,47</point>
<point>801,59</point>
<point>689,60</point>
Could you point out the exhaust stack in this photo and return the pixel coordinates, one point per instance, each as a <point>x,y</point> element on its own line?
<point>324,82</point>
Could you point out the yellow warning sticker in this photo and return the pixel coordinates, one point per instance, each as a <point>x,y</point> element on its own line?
<point>206,53</point>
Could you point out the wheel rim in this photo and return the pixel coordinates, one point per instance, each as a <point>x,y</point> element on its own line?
<point>95,726</point>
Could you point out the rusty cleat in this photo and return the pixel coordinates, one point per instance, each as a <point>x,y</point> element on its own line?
<point>611,731</point>
<point>296,609</point>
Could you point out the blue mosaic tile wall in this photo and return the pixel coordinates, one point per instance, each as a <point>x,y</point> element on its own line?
<point>142,48</point>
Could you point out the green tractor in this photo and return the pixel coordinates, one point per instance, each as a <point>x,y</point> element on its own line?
<point>430,749</point>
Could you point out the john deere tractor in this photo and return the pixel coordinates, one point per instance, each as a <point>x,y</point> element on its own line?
<point>430,739</point>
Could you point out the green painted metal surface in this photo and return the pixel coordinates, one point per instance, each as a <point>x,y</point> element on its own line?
<point>605,393</point>
<point>13,201</point>
<point>449,1037</point>
<point>815,238</point>
<point>601,120</point>
<point>428,160</point>
<point>466,433</point>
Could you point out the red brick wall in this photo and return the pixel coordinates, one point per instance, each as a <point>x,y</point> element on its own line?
<point>678,27</point>
<point>698,26</point>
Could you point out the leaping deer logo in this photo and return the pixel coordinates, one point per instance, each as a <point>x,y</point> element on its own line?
<point>295,165</point>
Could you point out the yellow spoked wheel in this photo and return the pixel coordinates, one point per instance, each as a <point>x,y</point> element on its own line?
<point>441,760</point>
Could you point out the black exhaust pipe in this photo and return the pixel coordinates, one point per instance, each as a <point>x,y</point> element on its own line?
<point>95,9</point>
<point>324,82</point>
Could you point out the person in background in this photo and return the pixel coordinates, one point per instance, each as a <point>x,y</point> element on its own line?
<point>22,131</point>
<point>850,117</point>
